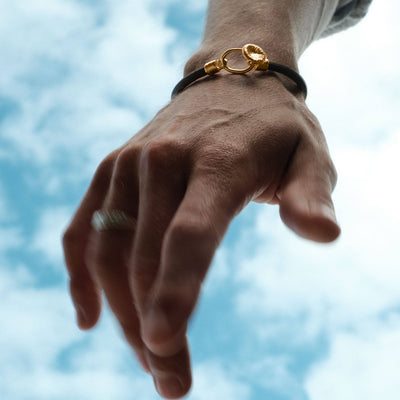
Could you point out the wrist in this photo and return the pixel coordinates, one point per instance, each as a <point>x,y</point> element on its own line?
<point>274,35</point>
<point>283,28</point>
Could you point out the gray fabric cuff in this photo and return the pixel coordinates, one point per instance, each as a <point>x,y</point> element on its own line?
<point>347,15</point>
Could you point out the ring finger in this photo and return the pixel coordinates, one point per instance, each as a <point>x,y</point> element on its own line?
<point>111,246</point>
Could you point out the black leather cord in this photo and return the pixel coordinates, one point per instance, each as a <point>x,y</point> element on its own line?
<point>290,73</point>
<point>187,80</point>
<point>282,69</point>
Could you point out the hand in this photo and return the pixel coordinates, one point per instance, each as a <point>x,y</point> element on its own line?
<point>220,144</point>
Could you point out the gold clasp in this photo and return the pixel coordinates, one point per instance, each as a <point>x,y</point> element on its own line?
<point>224,62</point>
<point>254,55</point>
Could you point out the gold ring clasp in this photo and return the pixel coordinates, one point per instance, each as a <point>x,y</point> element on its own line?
<point>225,65</point>
<point>254,55</point>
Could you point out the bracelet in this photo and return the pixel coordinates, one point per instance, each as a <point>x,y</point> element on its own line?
<point>256,59</point>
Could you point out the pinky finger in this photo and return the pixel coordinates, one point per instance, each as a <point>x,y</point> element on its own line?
<point>85,291</point>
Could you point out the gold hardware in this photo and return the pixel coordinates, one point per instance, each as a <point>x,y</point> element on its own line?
<point>254,55</point>
<point>234,70</point>
<point>257,56</point>
<point>213,67</point>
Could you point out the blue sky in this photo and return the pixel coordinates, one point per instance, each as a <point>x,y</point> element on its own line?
<point>279,318</point>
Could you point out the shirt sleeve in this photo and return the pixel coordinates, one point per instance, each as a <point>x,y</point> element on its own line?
<point>348,13</point>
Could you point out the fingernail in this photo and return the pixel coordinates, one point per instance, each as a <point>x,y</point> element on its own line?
<point>327,232</point>
<point>328,212</point>
<point>319,208</point>
<point>168,386</point>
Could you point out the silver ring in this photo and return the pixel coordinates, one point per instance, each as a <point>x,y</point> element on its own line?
<point>112,219</point>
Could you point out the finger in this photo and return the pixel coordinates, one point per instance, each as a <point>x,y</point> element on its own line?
<point>111,264</point>
<point>209,205</point>
<point>162,187</point>
<point>172,375</point>
<point>305,200</point>
<point>85,291</point>
<point>111,248</point>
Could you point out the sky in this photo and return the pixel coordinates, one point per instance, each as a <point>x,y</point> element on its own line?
<point>279,318</point>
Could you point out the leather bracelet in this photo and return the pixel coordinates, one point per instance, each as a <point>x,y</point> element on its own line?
<point>256,59</point>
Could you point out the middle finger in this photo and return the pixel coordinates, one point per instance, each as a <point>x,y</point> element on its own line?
<point>162,188</point>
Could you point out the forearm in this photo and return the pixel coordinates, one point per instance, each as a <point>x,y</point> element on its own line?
<point>284,28</point>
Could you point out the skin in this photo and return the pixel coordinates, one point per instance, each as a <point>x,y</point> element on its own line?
<point>223,142</point>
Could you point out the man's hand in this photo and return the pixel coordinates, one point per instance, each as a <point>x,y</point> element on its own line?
<point>220,144</point>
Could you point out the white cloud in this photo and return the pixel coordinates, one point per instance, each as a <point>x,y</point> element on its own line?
<point>273,374</point>
<point>86,385</point>
<point>7,213</point>
<point>84,80</point>
<point>82,87</point>
<point>43,350</point>
<point>353,78</point>
<point>3,206</point>
<point>49,357</point>
<point>212,381</point>
<point>360,365</point>
<point>47,238</point>
<point>317,288</point>
<point>335,285</point>
<point>10,233</point>
<point>219,272</point>
<point>294,292</point>
<point>10,238</point>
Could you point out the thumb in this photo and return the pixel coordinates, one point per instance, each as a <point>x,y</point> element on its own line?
<point>305,202</point>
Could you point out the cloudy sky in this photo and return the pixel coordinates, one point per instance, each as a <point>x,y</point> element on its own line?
<point>279,318</point>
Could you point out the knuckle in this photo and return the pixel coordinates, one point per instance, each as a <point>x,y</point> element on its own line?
<point>131,332</point>
<point>103,172</point>
<point>71,240</point>
<point>142,271</point>
<point>190,240</point>
<point>332,172</point>
<point>125,168</point>
<point>107,164</point>
<point>102,262</point>
<point>312,121</point>
<point>145,262</point>
<point>326,170</point>
<point>127,158</point>
<point>160,154</point>
<point>188,230</point>
<point>178,298</point>
<point>81,286</point>
<point>322,159</point>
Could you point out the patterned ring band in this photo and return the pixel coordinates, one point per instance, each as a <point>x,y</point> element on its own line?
<point>112,219</point>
